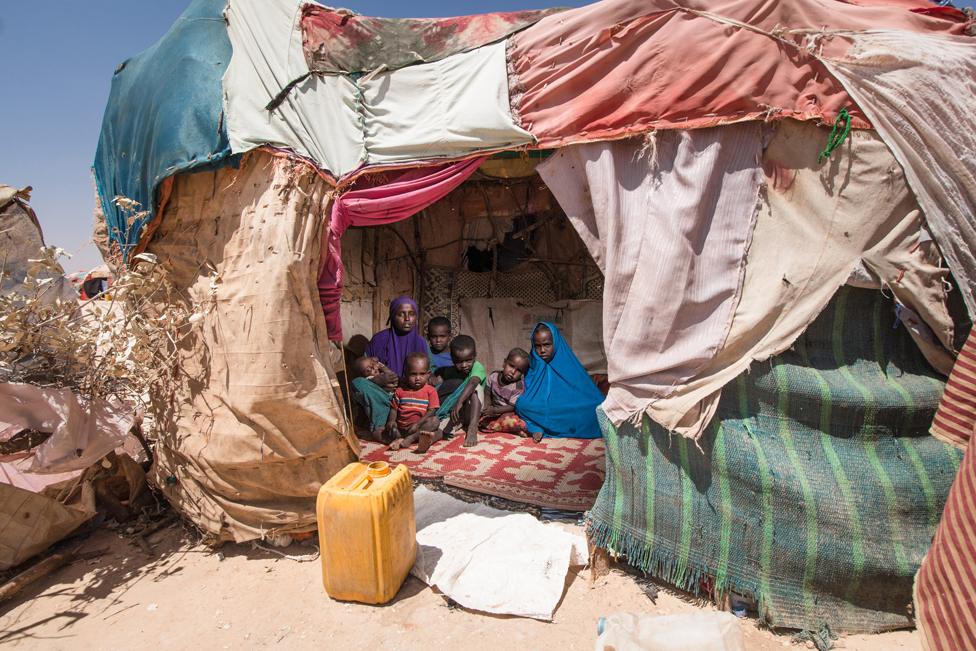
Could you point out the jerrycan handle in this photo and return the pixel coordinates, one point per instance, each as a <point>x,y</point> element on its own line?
<point>374,470</point>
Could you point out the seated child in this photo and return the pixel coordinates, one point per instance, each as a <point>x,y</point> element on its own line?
<point>463,406</point>
<point>503,389</point>
<point>413,408</point>
<point>439,338</point>
<point>371,388</point>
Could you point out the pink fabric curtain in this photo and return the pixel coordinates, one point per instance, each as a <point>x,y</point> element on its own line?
<point>407,195</point>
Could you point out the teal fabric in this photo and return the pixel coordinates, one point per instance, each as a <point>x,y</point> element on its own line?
<point>374,400</point>
<point>817,488</point>
<point>164,116</point>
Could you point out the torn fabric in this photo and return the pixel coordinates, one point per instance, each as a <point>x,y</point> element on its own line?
<point>668,221</point>
<point>339,41</point>
<point>450,108</point>
<point>815,224</point>
<point>919,91</point>
<point>617,68</point>
<point>81,432</point>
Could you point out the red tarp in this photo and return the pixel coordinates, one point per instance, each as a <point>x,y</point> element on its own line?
<point>622,67</point>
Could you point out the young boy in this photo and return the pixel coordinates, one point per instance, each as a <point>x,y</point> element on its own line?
<point>463,406</point>
<point>438,338</point>
<point>413,408</point>
<point>372,385</point>
<point>503,388</point>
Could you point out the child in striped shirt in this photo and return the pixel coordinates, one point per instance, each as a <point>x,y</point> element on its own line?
<point>414,405</point>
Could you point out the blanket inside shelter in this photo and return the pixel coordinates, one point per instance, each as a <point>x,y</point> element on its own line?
<point>562,474</point>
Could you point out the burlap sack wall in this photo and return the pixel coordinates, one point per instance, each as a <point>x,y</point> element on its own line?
<point>257,424</point>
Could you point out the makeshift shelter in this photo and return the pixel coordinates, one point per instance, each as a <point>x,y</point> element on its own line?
<point>690,147</point>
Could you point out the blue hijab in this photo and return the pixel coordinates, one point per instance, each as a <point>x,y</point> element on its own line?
<point>560,399</point>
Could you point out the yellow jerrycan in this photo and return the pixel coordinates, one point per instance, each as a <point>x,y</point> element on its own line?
<point>367,532</point>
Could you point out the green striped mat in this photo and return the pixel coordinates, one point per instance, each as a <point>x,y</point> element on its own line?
<point>817,489</point>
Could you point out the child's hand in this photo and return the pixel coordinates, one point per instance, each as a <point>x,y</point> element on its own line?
<point>392,433</point>
<point>456,412</point>
<point>490,412</point>
<point>388,380</point>
<point>435,380</point>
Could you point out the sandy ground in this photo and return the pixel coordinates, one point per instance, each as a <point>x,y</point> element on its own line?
<point>244,597</point>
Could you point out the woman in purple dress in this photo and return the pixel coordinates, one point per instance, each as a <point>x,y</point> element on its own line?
<point>393,345</point>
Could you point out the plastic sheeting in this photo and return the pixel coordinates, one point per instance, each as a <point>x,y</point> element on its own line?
<point>82,433</point>
<point>919,91</point>
<point>668,222</point>
<point>449,108</point>
<point>164,116</point>
<point>621,67</point>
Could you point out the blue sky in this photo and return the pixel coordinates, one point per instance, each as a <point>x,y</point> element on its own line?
<point>56,62</point>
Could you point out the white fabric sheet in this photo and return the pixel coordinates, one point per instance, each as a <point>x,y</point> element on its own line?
<point>919,91</point>
<point>491,560</point>
<point>668,220</point>
<point>446,109</point>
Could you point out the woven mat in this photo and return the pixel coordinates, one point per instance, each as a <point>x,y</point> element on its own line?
<point>561,474</point>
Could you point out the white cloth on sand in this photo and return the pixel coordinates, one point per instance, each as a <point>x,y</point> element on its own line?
<point>491,560</point>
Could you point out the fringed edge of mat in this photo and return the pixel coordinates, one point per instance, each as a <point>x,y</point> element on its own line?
<point>664,565</point>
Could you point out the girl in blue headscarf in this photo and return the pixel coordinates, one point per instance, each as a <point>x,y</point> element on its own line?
<point>560,399</point>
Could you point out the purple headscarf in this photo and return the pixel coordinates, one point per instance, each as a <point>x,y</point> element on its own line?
<point>392,348</point>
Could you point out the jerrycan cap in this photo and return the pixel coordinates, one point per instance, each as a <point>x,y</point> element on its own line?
<point>378,469</point>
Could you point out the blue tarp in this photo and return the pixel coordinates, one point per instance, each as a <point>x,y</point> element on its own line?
<point>164,115</point>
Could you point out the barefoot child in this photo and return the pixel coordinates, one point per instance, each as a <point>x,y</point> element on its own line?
<point>463,407</point>
<point>503,388</point>
<point>372,386</point>
<point>413,408</point>
<point>439,338</point>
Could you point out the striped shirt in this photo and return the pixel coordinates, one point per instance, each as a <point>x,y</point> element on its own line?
<point>411,406</point>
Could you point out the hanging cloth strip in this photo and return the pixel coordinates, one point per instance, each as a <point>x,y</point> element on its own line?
<point>383,204</point>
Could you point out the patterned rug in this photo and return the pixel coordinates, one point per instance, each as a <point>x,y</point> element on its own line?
<point>563,474</point>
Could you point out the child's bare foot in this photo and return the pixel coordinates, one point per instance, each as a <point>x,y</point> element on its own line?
<point>537,437</point>
<point>426,438</point>
<point>395,445</point>
<point>471,439</point>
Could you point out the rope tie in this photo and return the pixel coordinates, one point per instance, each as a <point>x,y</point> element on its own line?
<point>836,139</point>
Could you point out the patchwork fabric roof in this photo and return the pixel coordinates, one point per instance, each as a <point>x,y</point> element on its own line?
<point>350,93</point>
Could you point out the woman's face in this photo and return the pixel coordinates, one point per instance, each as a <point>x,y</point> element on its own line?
<point>542,343</point>
<point>405,319</point>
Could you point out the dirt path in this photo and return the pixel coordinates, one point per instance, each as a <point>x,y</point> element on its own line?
<point>250,598</point>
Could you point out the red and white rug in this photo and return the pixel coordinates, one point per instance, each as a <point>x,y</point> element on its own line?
<point>561,474</point>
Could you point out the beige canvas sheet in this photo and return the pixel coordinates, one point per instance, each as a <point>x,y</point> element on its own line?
<point>500,324</point>
<point>31,522</point>
<point>257,424</point>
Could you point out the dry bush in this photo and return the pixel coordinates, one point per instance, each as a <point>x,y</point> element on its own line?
<point>123,348</point>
